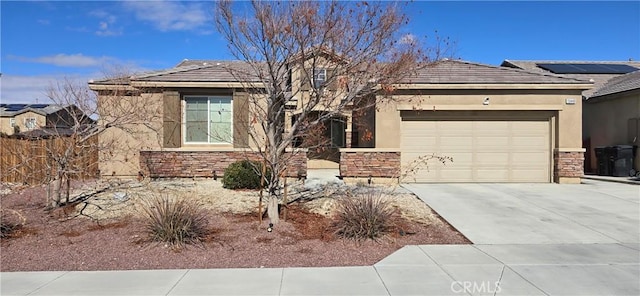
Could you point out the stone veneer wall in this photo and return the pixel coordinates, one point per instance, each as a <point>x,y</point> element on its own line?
<point>568,164</point>
<point>369,164</point>
<point>176,164</point>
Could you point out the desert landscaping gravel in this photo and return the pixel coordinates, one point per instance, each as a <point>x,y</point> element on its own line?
<point>109,235</point>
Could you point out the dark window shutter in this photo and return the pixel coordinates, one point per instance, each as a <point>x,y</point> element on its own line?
<point>332,80</point>
<point>171,131</point>
<point>305,80</point>
<point>240,120</point>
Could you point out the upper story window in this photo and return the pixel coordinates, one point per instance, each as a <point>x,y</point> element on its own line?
<point>30,123</point>
<point>319,77</point>
<point>12,122</point>
<point>208,119</point>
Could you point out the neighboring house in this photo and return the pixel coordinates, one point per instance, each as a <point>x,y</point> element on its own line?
<point>612,114</point>
<point>600,73</point>
<point>38,119</point>
<point>498,124</point>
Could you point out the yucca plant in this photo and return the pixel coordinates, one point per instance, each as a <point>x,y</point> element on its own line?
<point>175,222</point>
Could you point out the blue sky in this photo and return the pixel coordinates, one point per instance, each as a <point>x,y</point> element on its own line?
<point>42,41</point>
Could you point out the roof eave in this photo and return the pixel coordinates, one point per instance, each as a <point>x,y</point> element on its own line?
<point>196,84</point>
<point>576,86</point>
<point>613,95</point>
<point>100,86</point>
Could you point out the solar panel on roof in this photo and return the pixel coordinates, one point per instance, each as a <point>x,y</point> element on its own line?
<point>15,107</point>
<point>38,106</point>
<point>571,68</point>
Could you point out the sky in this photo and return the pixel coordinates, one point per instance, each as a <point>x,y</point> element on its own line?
<point>45,41</point>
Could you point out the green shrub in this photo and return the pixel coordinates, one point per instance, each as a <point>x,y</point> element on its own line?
<point>365,215</point>
<point>175,222</point>
<point>244,174</point>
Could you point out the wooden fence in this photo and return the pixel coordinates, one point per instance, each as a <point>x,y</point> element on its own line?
<point>36,161</point>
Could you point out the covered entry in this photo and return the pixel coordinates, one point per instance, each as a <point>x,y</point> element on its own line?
<point>485,147</point>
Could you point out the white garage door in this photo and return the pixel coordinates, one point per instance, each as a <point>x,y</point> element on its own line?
<point>482,150</point>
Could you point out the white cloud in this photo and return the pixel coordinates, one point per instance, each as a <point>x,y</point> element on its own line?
<point>68,60</point>
<point>26,89</point>
<point>104,29</point>
<point>106,24</point>
<point>171,15</point>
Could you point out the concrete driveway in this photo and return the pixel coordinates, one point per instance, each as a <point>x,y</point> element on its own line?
<point>588,213</point>
<point>533,239</point>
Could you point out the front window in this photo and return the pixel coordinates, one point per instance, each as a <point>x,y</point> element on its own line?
<point>12,122</point>
<point>319,77</point>
<point>30,123</point>
<point>208,119</point>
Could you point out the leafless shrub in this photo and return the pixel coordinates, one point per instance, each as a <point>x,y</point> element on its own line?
<point>10,221</point>
<point>365,215</point>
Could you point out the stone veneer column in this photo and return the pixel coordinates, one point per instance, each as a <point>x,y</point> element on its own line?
<point>369,162</point>
<point>568,165</point>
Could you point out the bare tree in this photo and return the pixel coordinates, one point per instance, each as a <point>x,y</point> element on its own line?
<point>83,123</point>
<point>327,58</point>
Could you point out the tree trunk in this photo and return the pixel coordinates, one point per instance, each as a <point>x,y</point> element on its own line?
<point>272,209</point>
<point>54,193</point>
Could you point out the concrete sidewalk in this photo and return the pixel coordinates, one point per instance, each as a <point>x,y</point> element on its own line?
<point>589,269</point>
<point>530,239</point>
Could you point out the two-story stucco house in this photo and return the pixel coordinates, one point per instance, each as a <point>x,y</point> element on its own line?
<point>498,124</point>
<point>25,118</point>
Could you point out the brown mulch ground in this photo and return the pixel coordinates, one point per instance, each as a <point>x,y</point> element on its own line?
<point>49,242</point>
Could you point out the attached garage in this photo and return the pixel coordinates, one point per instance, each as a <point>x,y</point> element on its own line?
<point>485,146</point>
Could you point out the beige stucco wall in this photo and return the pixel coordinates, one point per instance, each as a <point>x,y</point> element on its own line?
<point>5,122</point>
<point>567,122</point>
<point>606,122</point>
<point>5,125</point>
<point>121,145</point>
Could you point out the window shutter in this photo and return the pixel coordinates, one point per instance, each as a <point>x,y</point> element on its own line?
<point>333,80</point>
<point>305,80</point>
<point>240,120</point>
<point>171,131</point>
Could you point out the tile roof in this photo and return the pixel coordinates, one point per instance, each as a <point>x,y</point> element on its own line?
<point>10,110</point>
<point>598,79</point>
<point>463,72</point>
<point>202,71</point>
<point>443,72</point>
<point>627,82</point>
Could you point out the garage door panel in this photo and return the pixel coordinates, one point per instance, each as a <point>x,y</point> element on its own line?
<point>451,143</point>
<point>491,175</point>
<point>482,150</point>
<point>530,158</point>
<point>491,159</point>
<point>456,128</point>
<point>492,142</point>
<point>456,175</point>
<point>424,144</point>
<point>460,158</point>
<point>492,128</point>
<point>529,142</point>
<point>538,128</point>
<point>527,175</point>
